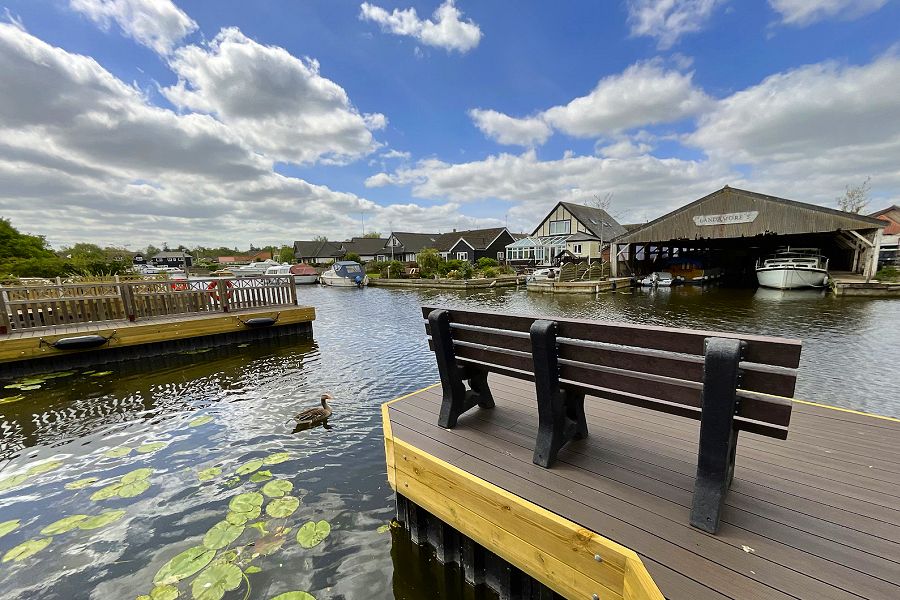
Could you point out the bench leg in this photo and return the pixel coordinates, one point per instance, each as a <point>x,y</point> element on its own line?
<point>718,437</point>
<point>560,412</point>
<point>457,399</point>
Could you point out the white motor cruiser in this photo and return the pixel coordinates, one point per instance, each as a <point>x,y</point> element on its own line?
<point>793,268</point>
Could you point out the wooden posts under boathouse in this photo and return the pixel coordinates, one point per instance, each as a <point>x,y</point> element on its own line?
<point>601,460</point>
<point>56,326</point>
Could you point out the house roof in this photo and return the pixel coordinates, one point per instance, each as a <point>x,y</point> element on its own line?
<point>776,216</point>
<point>596,220</point>
<point>478,239</point>
<point>317,249</point>
<point>170,254</point>
<point>891,215</point>
<point>583,237</point>
<point>365,246</point>
<point>414,242</point>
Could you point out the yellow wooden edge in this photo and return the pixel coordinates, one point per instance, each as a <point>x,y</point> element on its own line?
<point>388,436</point>
<point>848,410</point>
<point>637,582</point>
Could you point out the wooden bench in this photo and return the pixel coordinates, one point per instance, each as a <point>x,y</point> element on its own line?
<point>729,382</point>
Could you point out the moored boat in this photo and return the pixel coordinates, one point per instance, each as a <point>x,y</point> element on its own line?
<point>345,273</point>
<point>795,268</point>
<point>304,274</point>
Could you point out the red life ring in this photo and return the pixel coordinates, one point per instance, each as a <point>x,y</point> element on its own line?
<point>179,286</point>
<point>214,292</point>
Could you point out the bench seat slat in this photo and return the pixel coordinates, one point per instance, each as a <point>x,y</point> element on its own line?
<point>760,349</point>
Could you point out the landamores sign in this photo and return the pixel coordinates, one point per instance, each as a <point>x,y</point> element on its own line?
<point>726,219</point>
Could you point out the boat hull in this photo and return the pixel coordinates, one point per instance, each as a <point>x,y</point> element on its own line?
<point>338,281</point>
<point>791,278</point>
<point>305,279</point>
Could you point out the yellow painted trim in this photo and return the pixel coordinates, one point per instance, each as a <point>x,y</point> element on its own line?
<point>848,410</point>
<point>510,527</point>
<point>389,437</point>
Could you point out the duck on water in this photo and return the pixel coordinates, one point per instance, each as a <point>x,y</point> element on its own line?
<point>315,416</point>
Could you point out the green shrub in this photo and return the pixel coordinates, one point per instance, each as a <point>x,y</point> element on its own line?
<point>489,271</point>
<point>466,270</point>
<point>352,256</point>
<point>888,273</point>
<point>393,269</point>
<point>484,262</point>
<point>454,274</point>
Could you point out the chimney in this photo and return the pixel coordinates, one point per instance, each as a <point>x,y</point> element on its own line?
<point>454,230</point>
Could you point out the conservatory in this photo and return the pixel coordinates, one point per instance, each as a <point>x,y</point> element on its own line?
<point>536,250</point>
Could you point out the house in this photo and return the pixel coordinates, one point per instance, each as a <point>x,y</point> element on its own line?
<point>317,251</point>
<point>367,248</point>
<point>405,246</point>
<point>176,260</point>
<point>890,237</point>
<point>245,258</point>
<point>473,244</point>
<point>582,231</point>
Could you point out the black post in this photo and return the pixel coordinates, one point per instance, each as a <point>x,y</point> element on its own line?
<point>718,437</point>
<point>560,412</point>
<point>457,399</point>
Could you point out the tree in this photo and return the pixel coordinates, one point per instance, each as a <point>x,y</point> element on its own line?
<point>856,197</point>
<point>352,256</point>
<point>23,255</point>
<point>286,254</point>
<point>429,261</point>
<point>373,234</point>
<point>601,201</point>
<point>320,238</point>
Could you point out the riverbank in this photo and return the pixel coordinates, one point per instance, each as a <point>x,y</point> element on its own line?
<point>579,287</point>
<point>450,284</point>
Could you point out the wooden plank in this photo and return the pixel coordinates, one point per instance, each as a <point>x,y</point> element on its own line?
<point>760,349</point>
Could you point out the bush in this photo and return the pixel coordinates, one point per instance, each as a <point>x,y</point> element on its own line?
<point>466,270</point>
<point>484,262</point>
<point>429,260</point>
<point>374,267</point>
<point>352,256</point>
<point>393,269</point>
<point>489,271</point>
<point>888,273</point>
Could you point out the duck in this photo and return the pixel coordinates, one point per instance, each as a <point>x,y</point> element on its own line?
<point>317,415</point>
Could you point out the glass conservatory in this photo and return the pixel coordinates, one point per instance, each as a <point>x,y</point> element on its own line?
<point>539,250</point>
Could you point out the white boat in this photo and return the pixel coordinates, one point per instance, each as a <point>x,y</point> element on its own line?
<point>345,273</point>
<point>542,275</point>
<point>660,279</point>
<point>255,269</point>
<point>301,273</point>
<point>791,269</point>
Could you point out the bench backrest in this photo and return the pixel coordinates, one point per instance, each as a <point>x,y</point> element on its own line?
<point>660,368</point>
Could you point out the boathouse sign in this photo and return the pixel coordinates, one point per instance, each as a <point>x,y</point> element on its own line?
<point>726,219</point>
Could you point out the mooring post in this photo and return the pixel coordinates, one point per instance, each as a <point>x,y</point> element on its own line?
<point>718,437</point>
<point>222,291</point>
<point>4,313</point>
<point>560,412</point>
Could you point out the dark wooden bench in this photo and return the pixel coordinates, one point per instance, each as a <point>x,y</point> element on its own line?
<point>729,382</point>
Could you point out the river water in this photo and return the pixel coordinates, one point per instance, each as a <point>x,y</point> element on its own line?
<point>162,447</point>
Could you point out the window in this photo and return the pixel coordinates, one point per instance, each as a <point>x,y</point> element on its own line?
<point>445,255</point>
<point>576,249</point>
<point>500,256</point>
<point>560,227</point>
<point>462,256</point>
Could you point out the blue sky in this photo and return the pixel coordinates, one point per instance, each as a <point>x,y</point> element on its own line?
<point>232,122</point>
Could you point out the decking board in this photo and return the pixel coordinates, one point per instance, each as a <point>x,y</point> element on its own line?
<point>816,520</point>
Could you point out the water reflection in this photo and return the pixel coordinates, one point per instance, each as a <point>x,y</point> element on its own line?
<point>369,347</point>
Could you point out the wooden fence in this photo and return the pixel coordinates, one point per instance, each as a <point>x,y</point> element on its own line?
<point>34,307</point>
<point>583,271</point>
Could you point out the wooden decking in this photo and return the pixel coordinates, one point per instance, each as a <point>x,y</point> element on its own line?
<point>814,517</point>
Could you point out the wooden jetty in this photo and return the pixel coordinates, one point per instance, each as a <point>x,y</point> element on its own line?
<point>816,515</point>
<point>120,320</point>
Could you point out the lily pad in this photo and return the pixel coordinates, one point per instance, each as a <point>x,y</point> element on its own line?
<point>280,508</point>
<point>64,525</point>
<point>44,467</point>
<point>277,488</point>
<point>137,475</point>
<point>59,374</point>
<point>271,543</point>
<point>135,488</point>
<point>313,533</point>
<point>210,473</point>
<point>278,457</point>
<point>232,482</point>
<point>383,529</point>
<point>11,482</point>
<point>101,373</point>
<point>26,549</point>
<point>252,569</point>
<point>183,565</point>
<point>161,592</point>
<point>249,467</point>
<point>240,518</point>
<point>107,492</point>
<point>120,452</point>
<point>101,520</point>
<point>260,526</point>
<point>260,476</point>
<point>151,447</point>
<point>29,388</point>
<point>222,534</point>
<point>8,526</point>
<point>244,507</point>
<point>11,399</point>
<point>200,421</point>
<point>295,596</point>
<point>81,483</point>
<point>215,580</point>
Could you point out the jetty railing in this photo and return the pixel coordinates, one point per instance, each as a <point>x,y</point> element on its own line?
<point>42,307</point>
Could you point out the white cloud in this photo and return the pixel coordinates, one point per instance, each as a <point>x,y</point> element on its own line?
<point>283,107</point>
<point>668,20</point>
<point>624,148</point>
<point>444,30</point>
<point>510,130</point>
<point>83,156</point>
<point>806,12</point>
<point>396,154</point>
<point>157,24</point>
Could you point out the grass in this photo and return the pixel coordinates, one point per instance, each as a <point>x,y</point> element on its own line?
<point>888,274</point>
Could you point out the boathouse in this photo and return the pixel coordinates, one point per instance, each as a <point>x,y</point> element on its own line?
<point>730,229</point>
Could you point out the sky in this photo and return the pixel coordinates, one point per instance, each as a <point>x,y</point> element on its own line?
<point>135,122</point>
